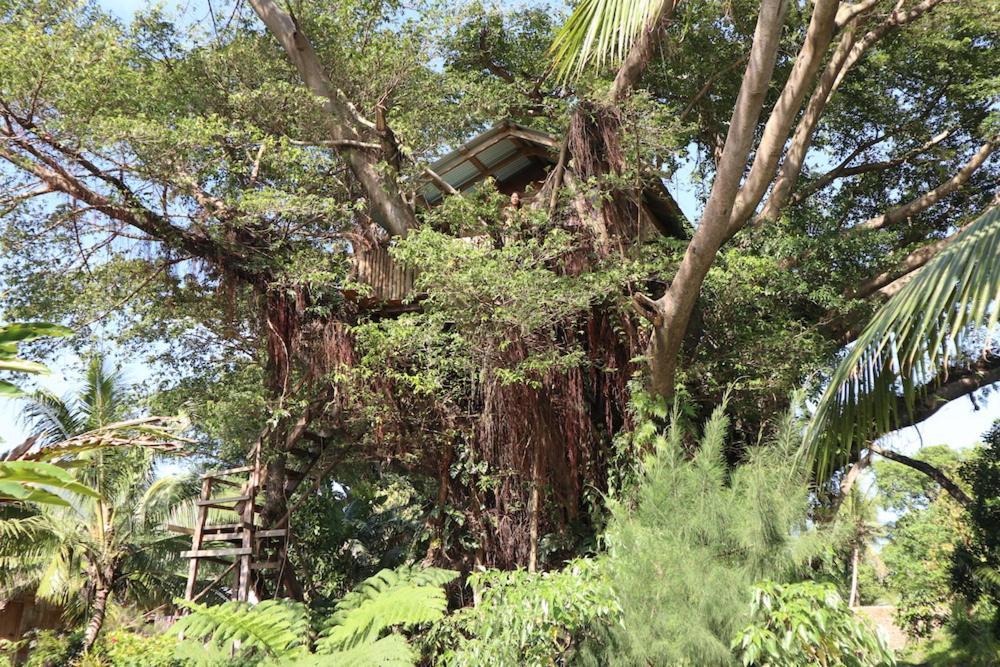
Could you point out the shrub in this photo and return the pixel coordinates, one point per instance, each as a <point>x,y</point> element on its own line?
<point>121,648</point>
<point>48,648</point>
<point>685,554</point>
<point>807,624</point>
<point>527,618</point>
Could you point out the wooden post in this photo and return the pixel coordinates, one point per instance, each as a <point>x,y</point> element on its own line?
<point>247,521</point>
<point>199,529</point>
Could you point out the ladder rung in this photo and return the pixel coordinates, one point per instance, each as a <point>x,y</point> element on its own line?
<point>231,471</point>
<point>223,537</point>
<point>214,502</point>
<point>207,530</point>
<point>260,535</point>
<point>266,565</point>
<point>215,553</point>
<point>274,532</point>
<point>223,527</point>
<point>228,482</point>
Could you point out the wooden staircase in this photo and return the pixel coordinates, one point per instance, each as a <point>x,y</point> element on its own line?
<point>249,546</point>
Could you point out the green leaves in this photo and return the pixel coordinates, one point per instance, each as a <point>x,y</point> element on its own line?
<point>31,481</point>
<point>10,336</point>
<point>527,618</point>
<point>939,315</point>
<point>404,597</point>
<point>807,624</point>
<point>280,629</point>
<point>601,31</point>
<point>274,628</point>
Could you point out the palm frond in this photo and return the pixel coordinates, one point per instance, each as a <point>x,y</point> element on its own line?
<point>104,392</point>
<point>50,417</point>
<point>601,32</point>
<point>940,315</point>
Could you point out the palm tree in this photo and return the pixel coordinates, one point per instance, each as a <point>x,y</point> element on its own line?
<point>859,514</point>
<point>947,312</point>
<point>108,543</point>
<point>600,32</point>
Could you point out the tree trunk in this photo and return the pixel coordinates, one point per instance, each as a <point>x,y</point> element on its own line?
<point>642,51</point>
<point>101,598</point>
<point>855,557</point>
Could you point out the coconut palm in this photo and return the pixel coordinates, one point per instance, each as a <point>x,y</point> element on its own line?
<point>102,545</point>
<point>943,317</point>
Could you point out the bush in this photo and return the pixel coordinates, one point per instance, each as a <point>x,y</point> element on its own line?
<point>807,624</point>
<point>121,648</point>
<point>527,619</point>
<point>48,648</point>
<point>685,555</point>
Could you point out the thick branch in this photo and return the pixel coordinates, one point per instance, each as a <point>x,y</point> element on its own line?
<point>676,305</point>
<point>779,123</point>
<point>953,489</point>
<point>928,199</point>
<point>848,52</point>
<point>131,211</point>
<point>388,208</point>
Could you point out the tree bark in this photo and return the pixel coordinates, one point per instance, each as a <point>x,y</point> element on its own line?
<point>670,314</point>
<point>101,598</point>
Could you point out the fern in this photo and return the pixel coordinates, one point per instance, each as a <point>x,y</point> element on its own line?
<point>273,628</point>
<point>279,630</point>
<point>386,580</point>
<point>404,606</point>
<point>404,597</point>
<point>390,651</point>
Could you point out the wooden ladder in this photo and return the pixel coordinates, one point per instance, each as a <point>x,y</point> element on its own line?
<point>241,499</point>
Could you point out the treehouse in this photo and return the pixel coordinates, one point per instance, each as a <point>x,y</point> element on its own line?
<point>520,161</point>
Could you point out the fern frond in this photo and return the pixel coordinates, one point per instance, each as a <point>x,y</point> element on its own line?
<point>387,579</point>
<point>391,651</point>
<point>403,606</point>
<point>274,627</point>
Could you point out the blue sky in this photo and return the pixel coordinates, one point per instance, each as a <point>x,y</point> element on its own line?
<point>958,424</point>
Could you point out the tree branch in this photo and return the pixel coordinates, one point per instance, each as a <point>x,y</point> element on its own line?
<point>388,208</point>
<point>674,308</point>
<point>843,170</point>
<point>818,37</point>
<point>848,52</point>
<point>953,489</point>
<point>930,198</point>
